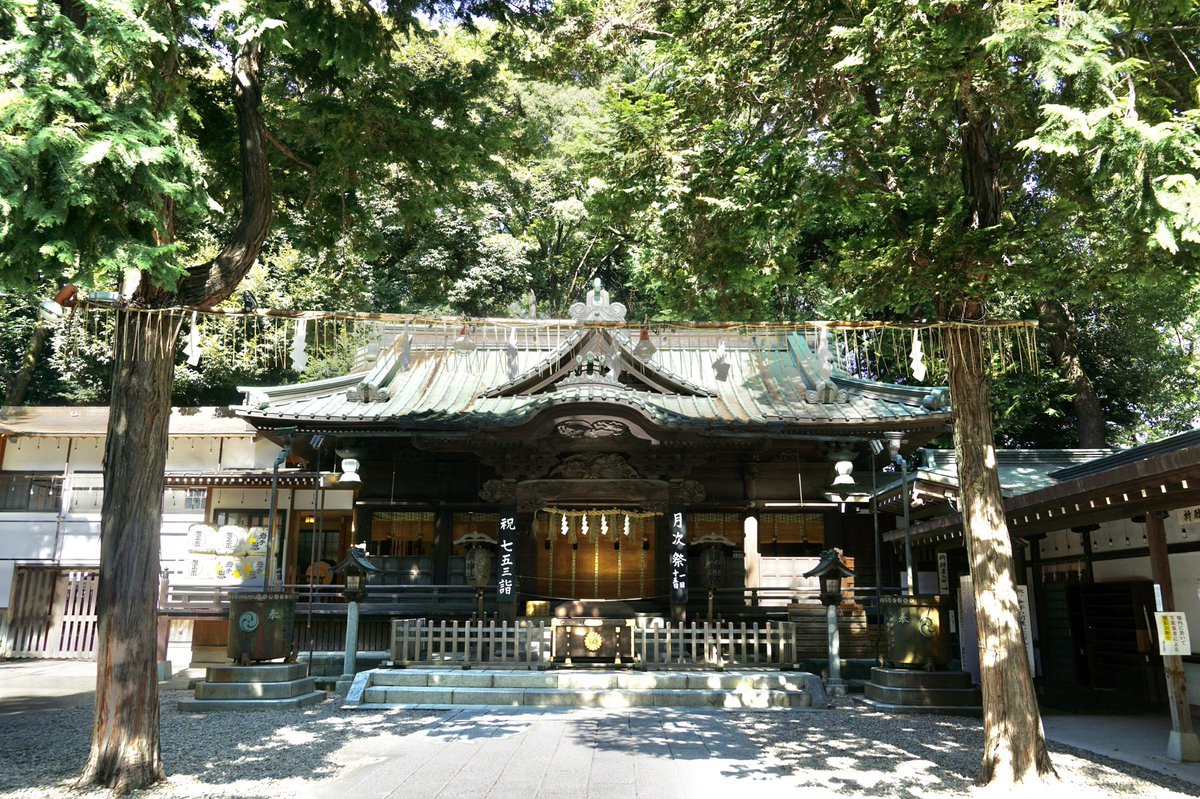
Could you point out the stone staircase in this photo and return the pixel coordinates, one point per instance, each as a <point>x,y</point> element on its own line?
<point>262,687</point>
<point>758,688</point>
<point>913,691</point>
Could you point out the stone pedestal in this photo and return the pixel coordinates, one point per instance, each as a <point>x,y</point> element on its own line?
<point>915,691</point>
<point>1183,747</point>
<point>262,687</point>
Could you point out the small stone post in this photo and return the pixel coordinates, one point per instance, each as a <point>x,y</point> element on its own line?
<point>834,686</point>
<point>350,661</point>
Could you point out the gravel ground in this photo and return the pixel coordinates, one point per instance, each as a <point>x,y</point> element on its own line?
<point>856,751</point>
<point>850,751</point>
<point>268,754</point>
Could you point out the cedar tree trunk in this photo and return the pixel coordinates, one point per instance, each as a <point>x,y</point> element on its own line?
<point>125,751</point>
<point>1014,746</point>
<point>19,386</point>
<point>1056,319</point>
<point>125,747</point>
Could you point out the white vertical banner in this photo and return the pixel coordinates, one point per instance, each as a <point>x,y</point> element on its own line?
<point>968,633</point>
<point>1026,624</point>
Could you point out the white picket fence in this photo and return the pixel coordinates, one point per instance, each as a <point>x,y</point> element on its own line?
<point>527,644</point>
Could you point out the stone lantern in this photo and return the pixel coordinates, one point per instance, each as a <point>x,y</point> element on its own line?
<point>355,570</point>
<point>830,571</point>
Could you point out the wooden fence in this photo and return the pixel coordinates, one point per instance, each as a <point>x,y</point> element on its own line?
<point>528,644</point>
<point>53,616</point>
<point>428,641</point>
<point>54,613</point>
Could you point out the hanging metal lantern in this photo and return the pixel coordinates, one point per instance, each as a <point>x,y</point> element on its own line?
<point>478,561</point>
<point>713,554</point>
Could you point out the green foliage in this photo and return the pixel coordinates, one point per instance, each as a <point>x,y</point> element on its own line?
<point>818,160</point>
<point>91,152</point>
<point>753,160</point>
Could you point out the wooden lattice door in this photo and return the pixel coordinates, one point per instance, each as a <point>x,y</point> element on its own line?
<point>53,613</point>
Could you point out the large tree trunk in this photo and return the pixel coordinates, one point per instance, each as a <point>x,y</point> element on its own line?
<point>18,387</point>
<point>1014,744</point>
<point>125,750</point>
<point>1014,748</point>
<point>1057,320</point>
<point>125,746</point>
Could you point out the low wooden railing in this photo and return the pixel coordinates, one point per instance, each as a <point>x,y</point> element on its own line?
<point>466,642</point>
<point>396,598</point>
<point>426,641</point>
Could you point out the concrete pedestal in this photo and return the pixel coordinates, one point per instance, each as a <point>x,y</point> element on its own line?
<point>261,687</point>
<point>1183,747</point>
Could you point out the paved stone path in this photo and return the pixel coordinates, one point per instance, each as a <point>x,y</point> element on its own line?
<point>561,754</point>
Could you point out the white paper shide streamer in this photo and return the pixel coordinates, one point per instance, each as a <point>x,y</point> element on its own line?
<point>917,357</point>
<point>192,350</point>
<point>299,341</point>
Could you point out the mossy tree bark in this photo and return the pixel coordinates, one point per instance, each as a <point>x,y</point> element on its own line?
<point>1014,748</point>
<point>18,386</point>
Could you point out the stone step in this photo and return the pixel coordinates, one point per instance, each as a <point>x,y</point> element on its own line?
<point>193,705</point>
<point>603,698</point>
<point>923,697</point>
<point>256,690</point>
<point>264,672</point>
<point>593,681</point>
<point>207,655</point>
<point>916,678</point>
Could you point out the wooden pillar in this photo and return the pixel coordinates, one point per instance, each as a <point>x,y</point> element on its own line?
<point>752,560</point>
<point>443,534</point>
<point>1182,744</point>
<point>1037,598</point>
<point>1085,534</point>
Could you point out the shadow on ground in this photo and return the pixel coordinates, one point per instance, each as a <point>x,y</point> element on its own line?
<point>45,747</point>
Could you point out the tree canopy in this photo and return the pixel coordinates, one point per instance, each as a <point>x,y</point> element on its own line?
<point>747,160</point>
<point>734,159</point>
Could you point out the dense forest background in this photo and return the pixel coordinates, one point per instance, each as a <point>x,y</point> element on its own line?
<point>677,153</point>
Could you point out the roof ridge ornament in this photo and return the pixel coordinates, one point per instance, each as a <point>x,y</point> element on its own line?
<point>596,307</point>
<point>595,369</point>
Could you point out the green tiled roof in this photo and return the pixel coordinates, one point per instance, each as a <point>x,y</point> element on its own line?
<point>774,382</point>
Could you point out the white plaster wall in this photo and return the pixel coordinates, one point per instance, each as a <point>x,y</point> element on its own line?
<point>6,579</point>
<point>79,539</point>
<point>23,536</point>
<point>784,573</point>
<point>87,454</point>
<point>193,454</point>
<point>173,543</point>
<point>334,500</point>
<point>247,453</point>
<point>35,454</point>
<point>265,453</point>
<point>244,498</point>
